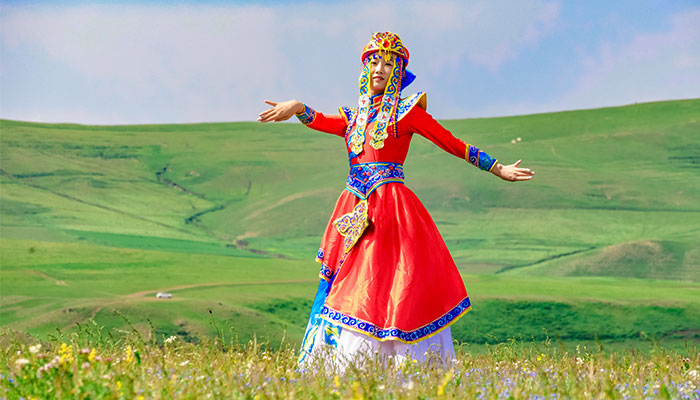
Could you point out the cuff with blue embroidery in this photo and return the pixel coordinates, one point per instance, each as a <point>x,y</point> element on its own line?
<point>307,116</point>
<point>479,158</point>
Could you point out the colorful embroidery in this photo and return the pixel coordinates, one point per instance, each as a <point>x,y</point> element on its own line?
<point>364,178</point>
<point>387,111</point>
<point>407,104</point>
<point>382,334</point>
<point>352,224</point>
<point>479,158</point>
<point>381,45</point>
<point>307,116</point>
<point>326,273</point>
<point>384,42</point>
<point>315,322</point>
<point>355,141</point>
<point>331,334</point>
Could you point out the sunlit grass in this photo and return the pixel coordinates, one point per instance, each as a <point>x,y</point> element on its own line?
<point>92,363</point>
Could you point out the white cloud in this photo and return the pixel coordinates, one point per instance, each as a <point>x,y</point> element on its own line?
<point>211,63</point>
<point>649,67</point>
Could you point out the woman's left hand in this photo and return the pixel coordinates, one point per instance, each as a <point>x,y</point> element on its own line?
<point>512,172</point>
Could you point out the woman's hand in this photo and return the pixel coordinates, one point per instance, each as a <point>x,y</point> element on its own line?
<point>280,111</point>
<point>512,172</point>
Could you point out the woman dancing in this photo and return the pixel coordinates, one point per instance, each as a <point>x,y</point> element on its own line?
<point>388,283</point>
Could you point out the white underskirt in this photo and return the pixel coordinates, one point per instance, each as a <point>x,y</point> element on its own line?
<point>353,347</point>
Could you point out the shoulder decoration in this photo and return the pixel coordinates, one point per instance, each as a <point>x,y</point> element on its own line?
<point>405,105</point>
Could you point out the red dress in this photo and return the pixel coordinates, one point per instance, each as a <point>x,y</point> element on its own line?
<point>398,281</point>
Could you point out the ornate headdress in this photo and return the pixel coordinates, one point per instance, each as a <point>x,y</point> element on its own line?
<point>385,44</point>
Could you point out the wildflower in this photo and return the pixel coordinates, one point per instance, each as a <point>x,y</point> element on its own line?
<point>35,349</point>
<point>129,355</point>
<point>65,354</point>
<point>92,355</point>
<point>182,364</point>
<point>21,362</point>
<point>408,385</point>
<point>85,365</point>
<point>140,398</point>
<point>356,389</point>
<point>445,380</point>
<point>171,339</point>
<point>336,381</point>
<point>119,385</point>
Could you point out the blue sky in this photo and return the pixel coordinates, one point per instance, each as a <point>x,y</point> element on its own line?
<point>174,62</point>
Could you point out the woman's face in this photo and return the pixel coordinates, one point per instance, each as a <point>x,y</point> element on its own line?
<point>380,69</point>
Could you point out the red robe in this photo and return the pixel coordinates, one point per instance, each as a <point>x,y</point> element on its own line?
<point>398,281</point>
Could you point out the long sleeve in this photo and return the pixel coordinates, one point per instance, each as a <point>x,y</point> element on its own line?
<point>419,121</point>
<point>424,124</point>
<point>333,124</point>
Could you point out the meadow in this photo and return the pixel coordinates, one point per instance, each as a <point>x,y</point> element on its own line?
<point>92,364</point>
<point>599,250</point>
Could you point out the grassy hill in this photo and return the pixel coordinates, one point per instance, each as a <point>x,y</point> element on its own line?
<point>228,217</point>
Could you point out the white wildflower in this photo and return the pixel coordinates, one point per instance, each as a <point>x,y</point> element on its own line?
<point>20,362</point>
<point>171,339</point>
<point>35,349</point>
<point>182,364</point>
<point>693,373</point>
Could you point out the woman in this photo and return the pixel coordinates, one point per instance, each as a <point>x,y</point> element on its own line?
<point>388,283</point>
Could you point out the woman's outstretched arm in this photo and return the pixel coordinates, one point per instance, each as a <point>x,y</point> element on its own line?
<point>333,124</point>
<point>424,124</point>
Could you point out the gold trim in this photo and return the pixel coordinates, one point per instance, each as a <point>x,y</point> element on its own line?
<point>422,102</point>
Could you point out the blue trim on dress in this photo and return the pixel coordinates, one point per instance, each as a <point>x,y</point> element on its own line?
<point>382,334</point>
<point>307,116</point>
<point>326,273</point>
<point>330,332</point>
<point>480,158</point>
<point>365,178</point>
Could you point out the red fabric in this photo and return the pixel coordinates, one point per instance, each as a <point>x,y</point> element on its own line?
<point>400,273</point>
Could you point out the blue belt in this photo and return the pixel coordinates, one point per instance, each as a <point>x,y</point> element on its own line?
<point>364,178</point>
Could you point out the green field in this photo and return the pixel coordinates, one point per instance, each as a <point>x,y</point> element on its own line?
<point>603,244</point>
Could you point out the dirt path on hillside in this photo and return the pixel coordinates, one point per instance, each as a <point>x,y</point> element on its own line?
<point>212,284</point>
<point>44,276</point>
<point>141,295</point>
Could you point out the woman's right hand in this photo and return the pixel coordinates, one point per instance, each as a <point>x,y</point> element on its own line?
<point>280,111</point>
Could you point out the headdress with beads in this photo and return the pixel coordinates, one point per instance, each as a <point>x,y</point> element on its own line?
<point>384,44</point>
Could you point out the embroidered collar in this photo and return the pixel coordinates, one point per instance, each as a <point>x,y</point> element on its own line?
<point>376,99</point>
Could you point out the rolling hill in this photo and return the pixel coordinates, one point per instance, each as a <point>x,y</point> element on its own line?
<point>228,217</point>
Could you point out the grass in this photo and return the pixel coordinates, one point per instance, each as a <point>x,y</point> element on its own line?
<point>44,288</point>
<point>97,363</point>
